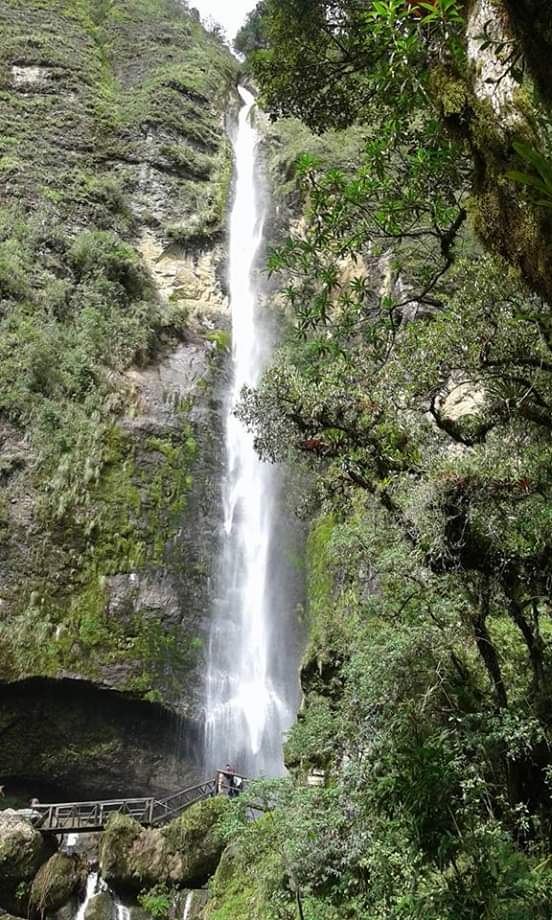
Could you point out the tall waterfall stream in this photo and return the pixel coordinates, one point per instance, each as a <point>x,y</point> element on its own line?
<point>251,677</point>
<point>250,703</point>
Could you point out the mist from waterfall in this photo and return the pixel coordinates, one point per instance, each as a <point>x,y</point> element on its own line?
<point>251,690</point>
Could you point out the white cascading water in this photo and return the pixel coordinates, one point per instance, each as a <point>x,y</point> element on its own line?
<point>188,904</point>
<point>70,842</point>
<point>120,910</point>
<point>248,705</point>
<point>94,885</point>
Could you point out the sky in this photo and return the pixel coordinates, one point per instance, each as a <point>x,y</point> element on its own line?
<point>230,13</point>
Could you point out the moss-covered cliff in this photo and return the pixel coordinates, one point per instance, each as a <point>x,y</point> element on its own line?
<point>115,171</point>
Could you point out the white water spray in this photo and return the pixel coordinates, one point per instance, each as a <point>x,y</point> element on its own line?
<point>120,910</point>
<point>70,842</point>
<point>188,905</point>
<point>248,705</point>
<point>94,885</point>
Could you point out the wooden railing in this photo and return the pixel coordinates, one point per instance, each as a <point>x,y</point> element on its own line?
<point>89,817</point>
<point>169,808</point>
<point>71,817</point>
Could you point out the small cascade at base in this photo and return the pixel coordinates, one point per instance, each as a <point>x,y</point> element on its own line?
<point>120,910</point>
<point>188,904</point>
<point>94,885</point>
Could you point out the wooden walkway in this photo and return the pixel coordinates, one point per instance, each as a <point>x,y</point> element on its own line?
<point>90,817</point>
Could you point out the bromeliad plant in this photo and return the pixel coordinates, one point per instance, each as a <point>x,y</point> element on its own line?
<point>538,175</point>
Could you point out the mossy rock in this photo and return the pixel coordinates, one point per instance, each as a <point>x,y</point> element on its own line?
<point>185,853</point>
<point>67,912</point>
<point>22,848</point>
<point>150,862</point>
<point>227,865</point>
<point>195,835</point>
<point>56,882</point>
<point>100,907</point>
<point>116,846</point>
<point>190,903</point>
<point>233,895</point>
<point>22,852</point>
<point>133,857</point>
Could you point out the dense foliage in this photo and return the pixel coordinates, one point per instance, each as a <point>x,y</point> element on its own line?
<point>416,388</point>
<point>251,36</point>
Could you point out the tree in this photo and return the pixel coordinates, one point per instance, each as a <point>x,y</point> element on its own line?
<point>252,37</point>
<point>416,388</point>
<point>330,63</point>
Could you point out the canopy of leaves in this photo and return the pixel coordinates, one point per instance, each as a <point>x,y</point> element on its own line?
<point>251,37</point>
<point>415,387</point>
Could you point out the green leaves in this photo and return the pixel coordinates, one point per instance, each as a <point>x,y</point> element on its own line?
<point>157,901</point>
<point>427,676</point>
<point>448,11</point>
<point>540,179</point>
<point>387,10</point>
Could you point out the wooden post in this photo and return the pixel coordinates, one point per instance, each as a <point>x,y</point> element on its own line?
<point>149,811</point>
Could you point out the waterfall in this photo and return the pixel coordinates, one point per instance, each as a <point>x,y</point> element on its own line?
<point>250,699</point>
<point>94,885</point>
<point>188,905</point>
<point>69,842</point>
<point>120,910</point>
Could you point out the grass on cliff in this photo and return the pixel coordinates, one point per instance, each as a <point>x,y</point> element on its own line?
<point>125,86</point>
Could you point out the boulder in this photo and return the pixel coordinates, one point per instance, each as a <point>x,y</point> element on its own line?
<point>138,913</point>
<point>196,838</point>
<point>116,849</point>
<point>228,864</point>
<point>100,907</point>
<point>67,912</point>
<point>185,853</point>
<point>23,851</point>
<point>233,891</point>
<point>56,882</point>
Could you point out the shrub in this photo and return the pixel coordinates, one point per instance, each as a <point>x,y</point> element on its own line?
<point>156,901</point>
<point>96,252</point>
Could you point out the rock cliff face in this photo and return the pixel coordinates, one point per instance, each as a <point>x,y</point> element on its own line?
<point>115,171</point>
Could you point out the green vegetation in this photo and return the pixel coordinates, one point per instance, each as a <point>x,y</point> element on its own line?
<point>415,387</point>
<point>221,339</point>
<point>112,126</point>
<point>155,861</point>
<point>251,36</point>
<point>156,901</point>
